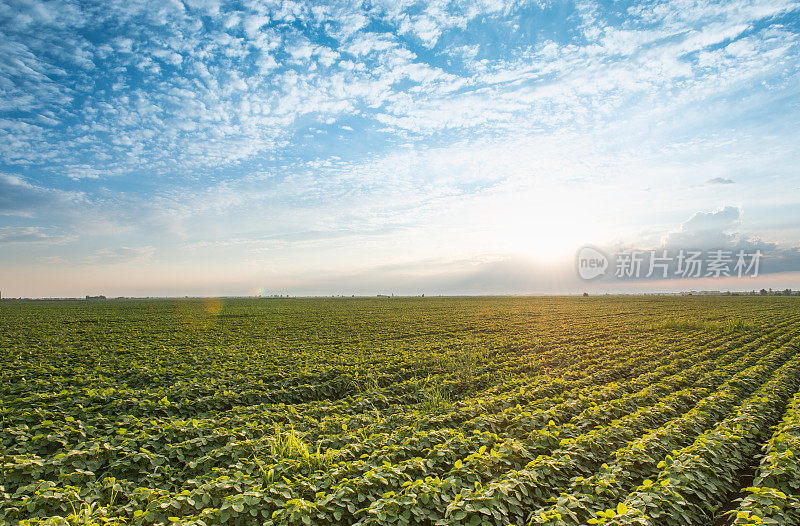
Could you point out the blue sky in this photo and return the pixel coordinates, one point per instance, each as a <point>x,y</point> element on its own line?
<point>207,147</point>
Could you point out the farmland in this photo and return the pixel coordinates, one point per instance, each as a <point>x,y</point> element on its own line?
<point>599,410</point>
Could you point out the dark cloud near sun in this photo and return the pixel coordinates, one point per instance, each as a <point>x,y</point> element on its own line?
<point>706,230</point>
<point>720,180</point>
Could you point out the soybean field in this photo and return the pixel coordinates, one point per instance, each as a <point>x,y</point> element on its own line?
<point>615,410</point>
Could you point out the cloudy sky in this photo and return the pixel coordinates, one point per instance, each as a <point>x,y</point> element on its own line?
<point>207,147</point>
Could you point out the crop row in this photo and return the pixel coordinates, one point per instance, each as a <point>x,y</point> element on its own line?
<point>774,497</point>
<point>365,412</point>
<point>696,480</point>
<point>283,495</point>
<point>540,480</point>
<point>632,464</point>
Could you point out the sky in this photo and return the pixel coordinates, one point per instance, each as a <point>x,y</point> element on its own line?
<point>203,147</point>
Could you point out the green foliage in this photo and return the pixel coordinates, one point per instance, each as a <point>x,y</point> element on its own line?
<point>775,496</point>
<point>426,411</point>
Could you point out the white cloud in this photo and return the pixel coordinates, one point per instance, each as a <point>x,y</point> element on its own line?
<point>209,7</point>
<point>20,197</point>
<point>231,123</point>
<point>121,255</point>
<point>32,236</point>
<point>253,23</point>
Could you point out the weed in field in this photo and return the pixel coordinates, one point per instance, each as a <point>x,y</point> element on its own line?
<point>434,396</point>
<point>288,444</point>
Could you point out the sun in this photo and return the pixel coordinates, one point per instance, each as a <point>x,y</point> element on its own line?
<point>549,228</point>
